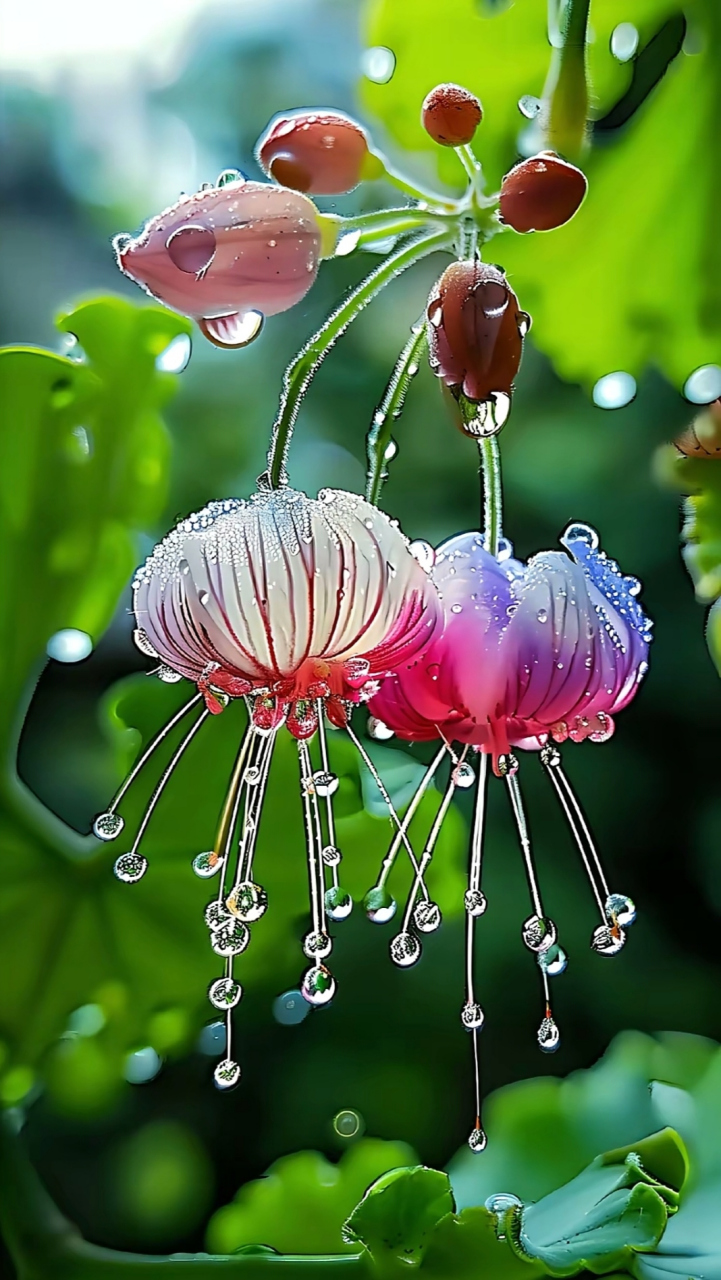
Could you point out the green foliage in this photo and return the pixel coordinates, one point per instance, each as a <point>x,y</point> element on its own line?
<point>162,1180</point>
<point>397,1214</point>
<point>641,289</point>
<point>700,478</point>
<point>301,1203</point>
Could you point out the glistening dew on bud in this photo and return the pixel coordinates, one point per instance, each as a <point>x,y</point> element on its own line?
<point>475,332</point>
<point>324,153</point>
<point>541,193</point>
<point>450,115</point>
<point>228,256</point>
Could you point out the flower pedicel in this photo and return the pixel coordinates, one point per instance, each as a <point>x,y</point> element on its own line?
<point>306,608</point>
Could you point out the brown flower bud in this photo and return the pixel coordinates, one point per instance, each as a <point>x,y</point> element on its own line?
<point>451,115</point>
<point>475,336</point>
<point>703,438</point>
<point>541,193</point>
<point>322,153</point>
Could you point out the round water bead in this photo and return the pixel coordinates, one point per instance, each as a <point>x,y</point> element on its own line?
<point>107,826</point>
<point>620,910</point>
<point>348,1123</point>
<point>405,949</point>
<point>464,775</point>
<point>503,1205</point>
<point>144,643</point>
<point>475,902</point>
<point>549,1037</point>
<point>477,1140</point>
<point>379,904</point>
<point>550,755</point>
<point>472,1016</point>
<point>130,867</point>
<point>248,901</point>
<point>427,916</point>
<point>230,940</point>
<point>216,915</point>
<point>424,553</point>
<point>607,940</point>
<point>508,765</point>
<point>553,960</point>
<point>226,1074</point>
<point>325,784</point>
<point>318,985</point>
<point>338,903</point>
<point>224,993</point>
<point>378,730</point>
<point>331,855</point>
<point>252,775</point>
<point>539,933</point>
<point>206,865</point>
<point>168,675</point>
<point>317,945</point>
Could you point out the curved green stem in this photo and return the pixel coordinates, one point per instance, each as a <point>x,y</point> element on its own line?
<point>390,408</point>
<point>490,455</point>
<point>431,198</point>
<point>303,368</point>
<point>45,1246</point>
<point>566,89</point>
<point>471,164</point>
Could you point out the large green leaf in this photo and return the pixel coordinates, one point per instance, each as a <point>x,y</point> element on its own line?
<point>609,290</point>
<point>466,1246</point>
<point>301,1203</point>
<point>83,465</point>
<point>691,1245</point>
<point>397,1215</point>
<point>615,1208</point>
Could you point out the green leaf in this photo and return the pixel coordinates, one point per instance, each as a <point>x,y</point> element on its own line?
<point>398,1213</point>
<point>465,1246</point>
<point>83,464</point>
<point>617,308</point>
<point>597,1221</point>
<point>691,1244</point>
<point>301,1203</point>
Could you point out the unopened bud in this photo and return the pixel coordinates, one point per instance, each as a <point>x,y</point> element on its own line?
<point>475,331</point>
<point>703,438</point>
<point>451,115</point>
<point>541,193</point>
<point>322,153</point>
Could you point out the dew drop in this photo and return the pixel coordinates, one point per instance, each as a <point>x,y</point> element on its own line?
<point>424,553</point>
<point>248,901</point>
<point>704,384</point>
<point>524,323</point>
<point>107,826</point>
<point>472,1016</point>
<point>390,451</point>
<point>456,608</point>
<point>167,674</point>
<point>121,242</point>
<point>379,905</point>
<point>378,730</point>
<point>624,41</point>
<point>475,902</point>
<point>405,949</point>
<point>224,993</point>
<point>317,945</point>
<point>338,903</point>
<point>427,916</point>
<point>331,855</point>
<point>290,1008</point>
<point>529,106</point>
<point>206,865</point>
<point>348,1124</point>
<point>378,64</point>
<point>142,1066</point>
<point>143,642</point>
<point>175,357</point>
<point>347,243</point>
<point>538,933</point>
<point>607,940</point>
<point>477,1140</point>
<point>553,960</point>
<point>620,910</point>
<point>549,1037</point>
<point>230,939</point>
<point>505,550</point>
<point>130,867</point>
<point>69,645</point>
<point>578,532</point>
<point>464,775</point>
<point>614,390</point>
<point>318,985</point>
<point>226,1074</point>
<point>325,784</point>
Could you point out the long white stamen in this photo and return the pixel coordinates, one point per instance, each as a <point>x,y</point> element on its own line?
<point>156,741</point>
<point>164,780</point>
<point>330,818</point>
<point>312,852</point>
<point>255,795</point>
<point>231,804</point>
<point>514,793</point>
<point>384,793</point>
<point>581,834</point>
<point>408,816</point>
<point>431,843</point>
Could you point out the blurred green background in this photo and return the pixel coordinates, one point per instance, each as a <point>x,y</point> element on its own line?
<point>94,138</point>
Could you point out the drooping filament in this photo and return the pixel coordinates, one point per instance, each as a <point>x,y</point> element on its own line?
<point>539,931</point>
<point>402,833</point>
<point>400,827</point>
<point>132,866</point>
<point>617,910</point>
<point>472,1015</point>
<point>318,983</point>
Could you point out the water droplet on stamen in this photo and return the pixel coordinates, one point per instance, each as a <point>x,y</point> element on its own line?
<point>553,960</point>
<point>405,949</point>
<point>325,784</point>
<point>472,1016</point>
<point>247,901</point>
<point>549,1037</point>
<point>230,939</point>
<point>378,730</point>
<point>338,903</point>
<point>620,910</point>
<point>538,933</point>
<point>130,867</point>
<point>107,826</point>
<point>475,902</point>
<point>226,1074</point>
<point>224,993</point>
<point>318,986</point>
<point>607,940</point>
<point>317,945</point>
<point>477,1140</point>
<point>427,916</point>
<point>207,864</point>
<point>167,674</point>
<point>379,905</point>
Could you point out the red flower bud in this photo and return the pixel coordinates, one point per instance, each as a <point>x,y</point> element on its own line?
<point>323,153</point>
<point>541,193</point>
<point>451,115</point>
<point>475,331</point>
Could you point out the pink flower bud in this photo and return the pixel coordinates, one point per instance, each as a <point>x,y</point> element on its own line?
<point>227,256</point>
<point>475,330</point>
<point>321,152</point>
